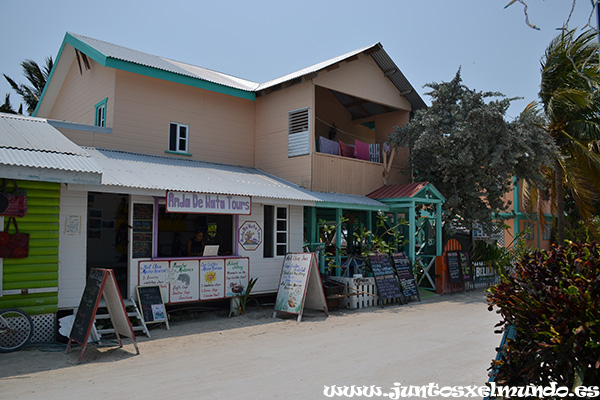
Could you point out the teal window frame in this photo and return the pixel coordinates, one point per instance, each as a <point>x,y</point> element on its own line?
<point>100,107</point>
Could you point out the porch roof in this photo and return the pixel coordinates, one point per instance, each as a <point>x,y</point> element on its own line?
<point>32,149</point>
<point>423,191</point>
<point>141,171</point>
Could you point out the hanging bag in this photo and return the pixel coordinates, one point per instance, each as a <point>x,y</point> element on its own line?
<point>13,245</point>
<point>17,201</point>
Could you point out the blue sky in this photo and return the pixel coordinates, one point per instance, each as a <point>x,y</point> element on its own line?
<point>262,40</point>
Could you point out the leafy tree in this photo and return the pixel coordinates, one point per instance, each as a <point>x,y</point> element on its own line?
<point>571,101</point>
<point>37,77</point>
<point>463,145</point>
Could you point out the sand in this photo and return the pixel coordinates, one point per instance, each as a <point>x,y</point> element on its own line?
<point>448,340</point>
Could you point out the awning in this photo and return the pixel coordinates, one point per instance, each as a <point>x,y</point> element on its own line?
<point>140,171</point>
<point>31,149</point>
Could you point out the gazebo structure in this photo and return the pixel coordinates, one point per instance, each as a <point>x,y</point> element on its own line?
<point>420,204</point>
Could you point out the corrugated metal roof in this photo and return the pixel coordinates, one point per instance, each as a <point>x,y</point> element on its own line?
<point>40,159</point>
<point>382,59</point>
<point>32,142</point>
<point>137,57</point>
<point>165,173</point>
<point>311,69</point>
<point>380,56</point>
<point>28,133</point>
<point>398,191</point>
<point>142,171</point>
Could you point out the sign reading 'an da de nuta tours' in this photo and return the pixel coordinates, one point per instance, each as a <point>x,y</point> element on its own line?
<point>208,203</point>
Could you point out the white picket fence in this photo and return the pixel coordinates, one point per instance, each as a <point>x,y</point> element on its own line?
<point>360,293</point>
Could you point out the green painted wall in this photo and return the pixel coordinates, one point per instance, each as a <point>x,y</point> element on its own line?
<point>40,268</point>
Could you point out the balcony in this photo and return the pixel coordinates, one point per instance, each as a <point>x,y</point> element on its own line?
<point>333,173</point>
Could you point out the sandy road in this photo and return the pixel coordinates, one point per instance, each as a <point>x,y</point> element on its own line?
<point>447,340</point>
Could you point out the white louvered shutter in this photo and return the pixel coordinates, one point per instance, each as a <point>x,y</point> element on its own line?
<point>298,133</point>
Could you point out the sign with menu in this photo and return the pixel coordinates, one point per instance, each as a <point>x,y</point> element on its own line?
<point>236,276</point>
<point>385,277</point>
<point>300,285</point>
<point>183,281</point>
<point>142,230</point>
<point>212,278</point>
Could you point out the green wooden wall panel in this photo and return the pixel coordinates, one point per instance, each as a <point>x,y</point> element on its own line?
<point>40,269</point>
<point>30,284</point>
<point>35,303</point>
<point>26,277</point>
<point>29,268</point>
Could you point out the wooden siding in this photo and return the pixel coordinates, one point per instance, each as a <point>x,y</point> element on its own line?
<point>221,127</point>
<point>349,175</point>
<point>72,248</point>
<point>268,270</point>
<point>272,133</point>
<point>363,78</point>
<point>40,269</point>
<point>81,92</point>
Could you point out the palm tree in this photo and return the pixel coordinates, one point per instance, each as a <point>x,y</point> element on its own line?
<point>37,77</point>
<point>7,107</point>
<point>570,96</point>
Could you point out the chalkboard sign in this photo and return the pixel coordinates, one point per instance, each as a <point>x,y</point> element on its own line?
<point>405,275</point>
<point>151,304</point>
<point>385,277</point>
<point>142,230</point>
<point>87,307</point>
<point>100,282</point>
<point>453,258</point>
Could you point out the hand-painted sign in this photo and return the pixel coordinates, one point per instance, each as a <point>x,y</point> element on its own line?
<point>236,276</point>
<point>300,285</point>
<point>208,203</point>
<point>212,278</point>
<point>185,286</point>
<point>250,235</point>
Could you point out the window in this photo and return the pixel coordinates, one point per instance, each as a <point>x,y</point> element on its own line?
<point>100,115</point>
<point>178,137</point>
<point>275,231</point>
<point>298,133</point>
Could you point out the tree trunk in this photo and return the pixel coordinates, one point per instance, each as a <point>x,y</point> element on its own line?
<point>560,205</point>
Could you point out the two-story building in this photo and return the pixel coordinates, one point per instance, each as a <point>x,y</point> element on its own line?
<point>257,166</point>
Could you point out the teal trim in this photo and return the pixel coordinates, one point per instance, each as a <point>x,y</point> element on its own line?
<point>96,107</point>
<point>105,61</point>
<point>338,236</point>
<point>312,217</point>
<point>87,49</point>
<point>516,205</point>
<point>178,153</point>
<point>176,78</point>
<point>370,125</point>
<point>364,207</point>
<point>411,233</point>
<point>50,75</point>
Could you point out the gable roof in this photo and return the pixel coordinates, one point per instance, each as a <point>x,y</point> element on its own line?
<point>417,190</point>
<point>123,58</point>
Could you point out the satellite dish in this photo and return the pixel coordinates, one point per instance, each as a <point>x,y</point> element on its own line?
<point>3,202</point>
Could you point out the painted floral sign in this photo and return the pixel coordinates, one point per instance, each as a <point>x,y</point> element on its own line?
<point>250,235</point>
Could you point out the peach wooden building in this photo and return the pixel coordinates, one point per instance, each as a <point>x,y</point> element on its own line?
<point>274,159</point>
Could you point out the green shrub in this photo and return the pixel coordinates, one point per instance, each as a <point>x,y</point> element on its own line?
<point>552,298</point>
